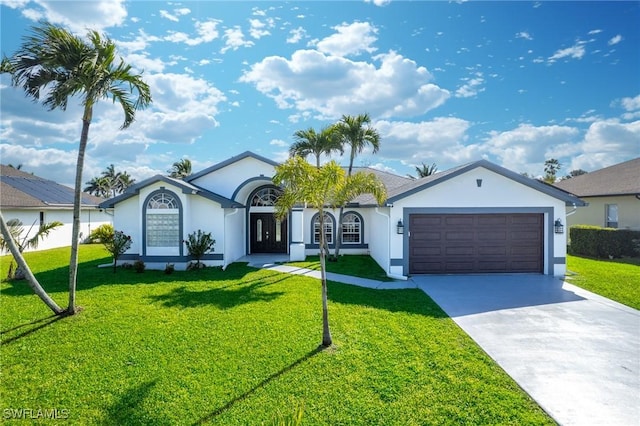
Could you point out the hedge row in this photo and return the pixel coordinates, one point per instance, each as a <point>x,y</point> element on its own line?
<point>603,243</point>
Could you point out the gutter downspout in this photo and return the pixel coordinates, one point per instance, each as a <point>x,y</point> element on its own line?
<point>388,271</point>
<point>224,263</point>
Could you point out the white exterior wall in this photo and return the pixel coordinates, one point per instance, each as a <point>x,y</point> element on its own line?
<point>236,235</point>
<point>207,216</point>
<point>90,219</point>
<point>379,248</point>
<point>461,194</point>
<point>226,180</point>
<point>344,248</point>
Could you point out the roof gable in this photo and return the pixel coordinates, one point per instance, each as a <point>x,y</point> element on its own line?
<point>226,163</point>
<point>619,179</point>
<point>429,181</point>
<point>185,187</point>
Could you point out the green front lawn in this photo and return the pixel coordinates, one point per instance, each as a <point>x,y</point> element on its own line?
<point>357,265</point>
<point>616,279</point>
<point>240,347</point>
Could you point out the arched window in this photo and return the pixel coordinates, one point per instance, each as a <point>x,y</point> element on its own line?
<point>265,197</point>
<point>351,228</point>
<point>162,218</point>
<point>328,228</point>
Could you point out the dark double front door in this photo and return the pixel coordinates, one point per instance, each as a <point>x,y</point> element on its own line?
<point>267,234</point>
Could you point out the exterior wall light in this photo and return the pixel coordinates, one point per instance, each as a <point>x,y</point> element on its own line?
<point>558,226</point>
<point>400,227</point>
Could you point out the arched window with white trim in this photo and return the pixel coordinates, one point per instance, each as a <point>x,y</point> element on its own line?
<point>351,228</point>
<point>328,229</point>
<point>162,224</point>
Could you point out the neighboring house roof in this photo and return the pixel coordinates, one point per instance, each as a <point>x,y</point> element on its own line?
<point>423,183</point>
<point>186,187</point>
<point>22,190</point>
<point>246,154</point>
<point>619,179</point>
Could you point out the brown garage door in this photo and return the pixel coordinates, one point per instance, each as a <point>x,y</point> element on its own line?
<point>475,243</point>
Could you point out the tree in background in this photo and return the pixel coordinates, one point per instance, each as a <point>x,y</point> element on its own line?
<point>110,183</point>
<point>424,171</point>
<point>320,188</point>
<point>180,169</point>
<point>356,133</point>
<point>309,142</point>
<point>551,169</point>
<point>574,173</point>
<point>55,64</point>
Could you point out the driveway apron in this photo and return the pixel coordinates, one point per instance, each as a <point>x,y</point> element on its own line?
<point>575,353</point>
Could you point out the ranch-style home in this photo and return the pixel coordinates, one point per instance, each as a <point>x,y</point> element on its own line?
<point>475,218</point>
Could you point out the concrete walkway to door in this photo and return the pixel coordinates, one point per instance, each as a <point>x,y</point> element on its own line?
<point>574,352</point>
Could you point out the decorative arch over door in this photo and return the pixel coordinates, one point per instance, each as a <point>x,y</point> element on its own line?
<point>266,233</point>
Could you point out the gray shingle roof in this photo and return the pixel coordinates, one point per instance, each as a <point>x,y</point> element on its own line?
<point>619,179</point>
<point>19,189</point>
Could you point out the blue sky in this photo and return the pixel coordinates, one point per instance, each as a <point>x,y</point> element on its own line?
<point>446,82</point>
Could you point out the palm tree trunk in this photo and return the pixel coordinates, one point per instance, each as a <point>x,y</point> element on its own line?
<point>339,233</point>
<point>326,332</point>
<point>77,199</point>
<point>31,279</point>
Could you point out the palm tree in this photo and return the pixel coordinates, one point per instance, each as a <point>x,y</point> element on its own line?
<point>122,183</point>
<point>23,242</point>
<point>180,169</point>
<point>551,168</point>
<point>425,171</point>
<point>57,65</point>
<point>357,133</point>
<point>310,142</point>
<point>321,187</point>
<point>98,186</point>
<point>10,243</point>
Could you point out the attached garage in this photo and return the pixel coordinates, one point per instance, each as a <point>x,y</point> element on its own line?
<point>476,243</point>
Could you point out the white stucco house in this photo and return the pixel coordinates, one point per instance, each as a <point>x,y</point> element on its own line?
<point>34,201</point>
<point>475,218</point>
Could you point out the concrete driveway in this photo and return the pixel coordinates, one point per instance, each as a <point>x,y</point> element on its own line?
<point>576,353</point>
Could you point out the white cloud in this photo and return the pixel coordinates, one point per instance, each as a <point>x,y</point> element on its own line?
<point>141,42</point>
<point>631,104</point>
<point>296,35</point>
<point>525,35</point>
<point>14,4</point>
<point>142,62</point>
<point>576,51</point>
<point>332,86</point>
<point>471,87</point>
<point>378,2</point>
<point>597,31</point>
<point>260,28</point>
<point>182,11</point>
<point>350,39</point>
<point>607,142</point>
<point>437,140</point>
<point>207,31</point>
<point>279,143</point>
<point>79,16</point>
<point>615,40</point>
<point>234,39</point>
<point>167,15</point>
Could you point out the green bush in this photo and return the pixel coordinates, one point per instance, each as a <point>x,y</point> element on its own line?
<point>595,241</point>
<point>101,234</point>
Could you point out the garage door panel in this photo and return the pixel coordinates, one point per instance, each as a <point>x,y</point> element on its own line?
<point>468,243</point>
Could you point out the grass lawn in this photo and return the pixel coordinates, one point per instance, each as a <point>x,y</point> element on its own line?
<point>617,279</point>
<point>356,265</point>
<point>239,347</point>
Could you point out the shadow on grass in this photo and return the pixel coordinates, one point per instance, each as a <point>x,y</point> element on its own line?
<point>37,325</point>
<point>91,276</point>
<point>222,298</point>
<point>412,300</point>
<point>128,409</point>
<point>215,413</point>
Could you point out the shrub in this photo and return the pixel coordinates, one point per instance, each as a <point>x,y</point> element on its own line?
<point>602,243</point>
<point>101,234</point>
<point>199,243</point>
<point>169,268</point>
<point>117,245</point>
<point>139,266</point>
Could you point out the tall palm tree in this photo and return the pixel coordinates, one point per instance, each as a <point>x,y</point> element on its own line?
<point>57,65</point>
<point>122,183</point>
<point>309,142</point>
<point>424,170</point>
<point>180,169</point>
<point>98,186</point>
<point>356,133</point>
<point>321,187</point>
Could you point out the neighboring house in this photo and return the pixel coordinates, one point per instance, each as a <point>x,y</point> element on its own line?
<point>476,218</point>
<point>35,201</point>
<point>612,194</point>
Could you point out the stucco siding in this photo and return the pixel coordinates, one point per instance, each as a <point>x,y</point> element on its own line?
<point>226,180</point>
<point>596,213</point>
<point>208,216</point>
